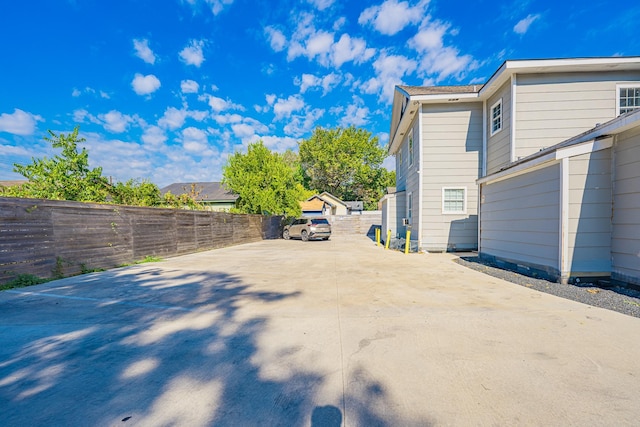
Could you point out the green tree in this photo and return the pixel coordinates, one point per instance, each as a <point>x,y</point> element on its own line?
<point>346,162</point>
<point>66,176</point>
<point>264,181</point>
<point>136,193</point>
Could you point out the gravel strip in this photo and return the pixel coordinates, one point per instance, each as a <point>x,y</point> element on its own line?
<point>616,298</point>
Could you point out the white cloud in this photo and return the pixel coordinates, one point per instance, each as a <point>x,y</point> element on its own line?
<point>390,70</point>
<point>523,25</point>
<point>437,60</point>
<point>351,49</point>
<point>279,144</point>
<point>145,85</point>
<point>321,4</point>
<point>271,98</point>
<point>356,114</point>
<point>19,122</point>
<point>218,104</point>
<point>218,5</point>
<point>299,125</point>
<point>77,92</point>
<point>309,81</point>
<point>319,44</point>
<point>172,118</point>
<point>277,40</point>
<point>393,16</point>
<point>189,86</point>
<point>192,54</point>
<point>285,107</point>
<point>115,121</point>
<point>143,51</point>
<point>225,119</point>
<point>249,129</point>
<point>154,136</point>
<point>195,140</point>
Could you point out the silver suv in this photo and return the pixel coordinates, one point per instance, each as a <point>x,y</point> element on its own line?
<point>307,229</point>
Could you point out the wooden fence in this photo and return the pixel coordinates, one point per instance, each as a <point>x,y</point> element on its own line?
<point>49,238</point>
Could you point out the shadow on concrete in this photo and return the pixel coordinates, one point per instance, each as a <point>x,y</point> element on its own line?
<point>158,347</point>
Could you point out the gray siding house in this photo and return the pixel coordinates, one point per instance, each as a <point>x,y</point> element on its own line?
<point>538,168</point>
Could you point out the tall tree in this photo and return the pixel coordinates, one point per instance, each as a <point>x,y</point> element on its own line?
<point>264,181</point>
<point>346,162</point>
<point>66,176</point>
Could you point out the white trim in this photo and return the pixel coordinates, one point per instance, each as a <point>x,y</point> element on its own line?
<point>512,131</point>
<point>519,169</point>
<point>624,86</point>
<point>493,132</point>
<point>409,208</point>
<point>411,146</point>
<point>464,200</point>
<point>563,261</point>
<point>584,148</point>
<point>484,138</point>
<point>420,184</point>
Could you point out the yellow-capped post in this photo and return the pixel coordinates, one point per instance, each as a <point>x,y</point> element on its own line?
<point>386,244</point>
<point>377,237</point>
<point>407,243</point>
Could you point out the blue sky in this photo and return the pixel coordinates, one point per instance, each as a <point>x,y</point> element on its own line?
<point>165,90</point>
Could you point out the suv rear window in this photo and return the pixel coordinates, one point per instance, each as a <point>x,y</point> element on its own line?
<point>319,221</point>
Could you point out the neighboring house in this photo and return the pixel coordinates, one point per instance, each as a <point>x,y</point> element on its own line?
<point>213,195</point>
<point>543,142</point>
<point>315,206</point>
<point>327,204</point>
<point>338,207</point>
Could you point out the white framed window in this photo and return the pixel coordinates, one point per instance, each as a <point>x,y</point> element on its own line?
<point>454,200</point>
<point>496,117</point>
<point>628,98</point>
<point>409,207</point>
<point>400,156</point>
<point>410,147</point>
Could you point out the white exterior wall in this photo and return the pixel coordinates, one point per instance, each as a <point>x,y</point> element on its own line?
<point>452,156</point>
<point>589,234</point>
<point>499,145</point>
<point>551,108</point>
<point>625,242</point>
<point>412,182</point>
<point>520,218</point>
<point>389,216</point>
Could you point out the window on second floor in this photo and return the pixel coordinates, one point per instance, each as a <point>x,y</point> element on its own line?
<point>628,98</point>
<point>496,117</point>
<point>411,147</point>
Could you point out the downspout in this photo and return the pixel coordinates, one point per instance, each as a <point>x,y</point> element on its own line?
<point>514,82</point>
<point>420,165</point>
<point>563,261</point>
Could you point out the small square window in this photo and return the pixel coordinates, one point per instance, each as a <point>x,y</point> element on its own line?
<point>454,200</point>
<point>628,98</point>
<point>496,117</point>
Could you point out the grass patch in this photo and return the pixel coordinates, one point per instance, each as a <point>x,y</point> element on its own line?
<point>22,281</point>
<point>149,258</point>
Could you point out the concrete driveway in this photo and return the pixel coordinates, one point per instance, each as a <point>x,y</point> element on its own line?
<point>297,333</point>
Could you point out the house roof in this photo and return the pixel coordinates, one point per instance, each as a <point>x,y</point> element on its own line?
<point>13,183</point>
<point>206,191</point>
<point>326,195</point>
<point>439,90</point>
<point>313,204</point>
<point>401,119</point>
<point>355,206</point>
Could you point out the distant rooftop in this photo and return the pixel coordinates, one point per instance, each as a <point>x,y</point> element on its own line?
<point>206,191</point>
